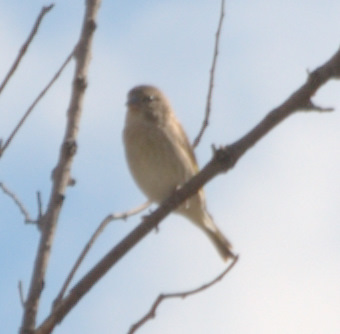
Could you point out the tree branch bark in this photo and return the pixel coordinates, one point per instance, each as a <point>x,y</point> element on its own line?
<point>61,175</point>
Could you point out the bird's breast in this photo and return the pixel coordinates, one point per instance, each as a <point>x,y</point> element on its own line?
<point>154,160</point>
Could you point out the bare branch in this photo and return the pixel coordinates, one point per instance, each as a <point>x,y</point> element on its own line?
<point>35,102</point>
<point>311,106</point>
<point>212,78</point>
<point>62,171</point>
<point>300,100</point>
<point>223,160</point>
<point>99,230</point>
<point>152,312</point>
<point>18,203</point>
<point>21,294</point>
<point>25,46</point>
<point>40,209</point>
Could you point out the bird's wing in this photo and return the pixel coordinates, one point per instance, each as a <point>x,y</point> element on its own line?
<point>178,137</point>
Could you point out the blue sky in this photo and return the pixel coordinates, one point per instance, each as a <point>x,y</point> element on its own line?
<point>279,206</point>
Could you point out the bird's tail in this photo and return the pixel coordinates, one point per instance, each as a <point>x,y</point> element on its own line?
<point>195,210</point>
<point>221,243</point>
<point>204,221</point>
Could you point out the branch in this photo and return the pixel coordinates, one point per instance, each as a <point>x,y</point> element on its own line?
<point>40,208</point>
<point>35,102</point>
<point>17,202</point>
<point>21,294</point>
<point>25,46</point>
<point>315,107</point>
<point>99,230</point>
<point>21,206</point>
<point>212,77</point>
<point>152,312</point>
<point>62,171</point>
<point>223,160</point>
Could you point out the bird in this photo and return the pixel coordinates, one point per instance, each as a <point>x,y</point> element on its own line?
<point>161,159</point>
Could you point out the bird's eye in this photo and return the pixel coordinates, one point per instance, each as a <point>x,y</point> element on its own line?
<point>149,98</point>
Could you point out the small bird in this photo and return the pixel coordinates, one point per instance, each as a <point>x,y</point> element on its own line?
<point>161,158</point>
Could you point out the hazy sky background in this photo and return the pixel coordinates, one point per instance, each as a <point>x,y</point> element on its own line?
<point>279,206</point>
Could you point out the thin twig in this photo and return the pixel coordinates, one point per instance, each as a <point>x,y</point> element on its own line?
<point>98,231</point>
<point>212,78</point>
<point>40,206</point>
<point>25,46</point>
<point>35,102</point>
<point>312,106</point>
<point>152,312</point>
<point>21,294</point>
<point>18,203</point>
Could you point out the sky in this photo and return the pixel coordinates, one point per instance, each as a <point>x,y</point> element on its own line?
<point>279,205</point>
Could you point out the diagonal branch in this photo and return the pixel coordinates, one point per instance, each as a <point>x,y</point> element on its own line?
<point>18,203</point>
<point>98,231</point>
<point>212,78</point>
<point>62,171</point>
<point>223,159</point>
<point>25,46</point>
<point>152,312</point>
<point>35,102</point>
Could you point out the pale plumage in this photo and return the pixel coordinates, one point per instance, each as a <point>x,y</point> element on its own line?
<point>161,158</point>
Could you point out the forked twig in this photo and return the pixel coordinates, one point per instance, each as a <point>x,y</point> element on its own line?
<point>98,231</point>
<point>35,102</point>
<point>152,312</point>
<point>18,203</point>
<point>212,78</point>
<point>312,106</point>
<point>25,46</point>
